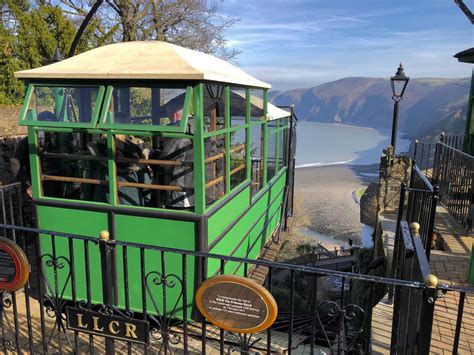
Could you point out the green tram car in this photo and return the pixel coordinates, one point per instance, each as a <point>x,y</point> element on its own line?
<point>159,145</point>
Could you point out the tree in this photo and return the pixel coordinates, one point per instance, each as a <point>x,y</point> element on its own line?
<point>195,24</point>
<point>29,36</point>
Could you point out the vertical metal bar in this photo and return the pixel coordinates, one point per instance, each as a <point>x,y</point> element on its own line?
<point>398,240</point>
<point>40,291</point>
<point>221,331</point>
<point>73,287</point>
<point>12,215</point>
<point>457,334</point>
<point>144,295</point>
<point>15,321</point>
<point>292,306</point>
<point>185,304</point>
<point>163,272</point>
<point>434,204</point>
<point>4,212</point>
<point>269,330</point>
<point>26,290</point>
<point>126,287</point>
<point>3,343</point>
<point>108,291</point>
<point>56,290</point>
<point>314,296</point>
<point>203,320</point>
<point>88,289</point>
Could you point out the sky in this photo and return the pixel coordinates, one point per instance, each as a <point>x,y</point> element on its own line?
<point>303,43</point>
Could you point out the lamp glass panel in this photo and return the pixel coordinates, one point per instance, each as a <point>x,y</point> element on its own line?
<point>398,86</point>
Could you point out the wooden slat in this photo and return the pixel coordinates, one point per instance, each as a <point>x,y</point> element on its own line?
<point>119,159</point>
<point>73,179</point>
<point>236,148</point>
<point>214,182</point>
<point>152,161</point>
<point>72,156</point>
<point>237,169</point>
<point>149,186</point>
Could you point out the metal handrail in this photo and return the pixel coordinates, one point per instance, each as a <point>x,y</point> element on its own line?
<point>302,268</point>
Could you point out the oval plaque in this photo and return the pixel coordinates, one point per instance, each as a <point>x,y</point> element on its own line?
<point>14,267</point>
<point>237,304</point>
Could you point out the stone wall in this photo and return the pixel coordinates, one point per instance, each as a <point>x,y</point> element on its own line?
<point>394,170</point>
<point>9,121</point>
<point>7,146</point>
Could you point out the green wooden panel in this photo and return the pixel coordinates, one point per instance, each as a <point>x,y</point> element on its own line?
<point>158,232</point>
<point>271,212</point>
<point>228,213</point>
<point>78,222</point>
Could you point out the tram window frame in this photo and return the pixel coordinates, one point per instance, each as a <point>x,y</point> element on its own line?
<point>26,117</point>
<point>181,128</point>
<point>227,131</point>
<point>272,137</point>
<point>158,193</point>
<point>61,179</point>
<point>282,157</point>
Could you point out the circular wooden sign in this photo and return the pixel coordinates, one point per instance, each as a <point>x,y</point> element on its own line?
<point>237,304</point>
<point>14,267</point>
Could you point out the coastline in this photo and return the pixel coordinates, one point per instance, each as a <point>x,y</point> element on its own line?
<point>326,198</point>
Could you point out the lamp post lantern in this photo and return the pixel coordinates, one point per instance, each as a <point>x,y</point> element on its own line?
<point>399,84</point>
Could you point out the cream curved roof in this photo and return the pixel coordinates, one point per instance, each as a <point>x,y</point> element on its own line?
<point>275,113</point>
<point>144,60</point>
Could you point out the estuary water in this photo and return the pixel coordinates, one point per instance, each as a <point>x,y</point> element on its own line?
<point>322,144</point>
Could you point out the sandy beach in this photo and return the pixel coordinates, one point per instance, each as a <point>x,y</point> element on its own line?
<point>325,196</point>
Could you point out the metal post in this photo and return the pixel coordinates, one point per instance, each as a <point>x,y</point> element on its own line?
<point>108,287</point>
<point>434,204</point>
<point>394,125</point>
<point>396,245</point>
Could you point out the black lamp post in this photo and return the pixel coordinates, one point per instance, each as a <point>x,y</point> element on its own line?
<point>399,84</point>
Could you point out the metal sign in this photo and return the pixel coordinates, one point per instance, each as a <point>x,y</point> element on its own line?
<point>14,267</point>
<point>237,304</point>
<point>110,326</point>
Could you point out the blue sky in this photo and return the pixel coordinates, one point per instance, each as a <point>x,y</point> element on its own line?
<point>302,43</point>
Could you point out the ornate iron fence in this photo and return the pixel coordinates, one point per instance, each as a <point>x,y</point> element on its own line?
<point>115,280</point>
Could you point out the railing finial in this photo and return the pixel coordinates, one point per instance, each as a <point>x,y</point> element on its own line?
<point>431,281</point>
<point>415,228</point>
<point>104,235</point>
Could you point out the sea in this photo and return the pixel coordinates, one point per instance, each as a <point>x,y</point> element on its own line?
<point>323,144</point>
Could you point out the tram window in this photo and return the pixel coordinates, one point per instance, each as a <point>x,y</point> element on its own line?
<point>69,104</point>
<point>238,107</point>
<point>272,142</point>
<point>146,106</point>
<point>214,107</point>
<point>215,167</point>
<point>73,166</point>
<point>256,158</point>
<point>238,157</point>
<point>155,172</point>
<point>256,105</point>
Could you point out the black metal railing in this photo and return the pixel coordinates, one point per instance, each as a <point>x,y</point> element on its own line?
<point>422,199</point>
<point>423,153</point>
<point>413,310</point>
<point>318,308</point>
<point>455,141</point>
<point>454,173</point>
